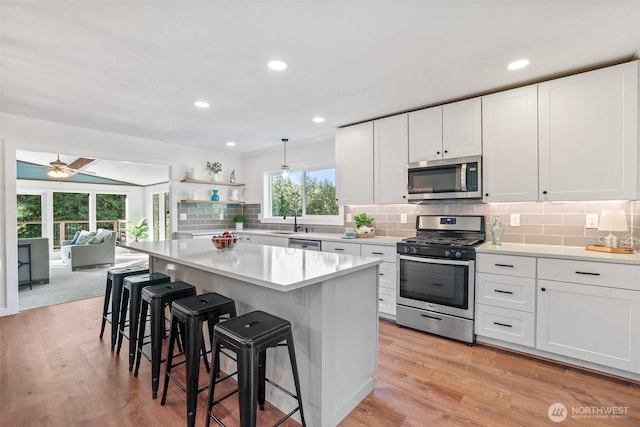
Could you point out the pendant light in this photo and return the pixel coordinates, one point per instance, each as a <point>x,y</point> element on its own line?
<point>285,166</point>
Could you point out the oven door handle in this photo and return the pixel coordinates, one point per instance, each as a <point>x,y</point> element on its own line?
<point>428,260</point>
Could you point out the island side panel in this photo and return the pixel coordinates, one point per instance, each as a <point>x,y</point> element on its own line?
<point>335,331</point>
<point>349,344</point>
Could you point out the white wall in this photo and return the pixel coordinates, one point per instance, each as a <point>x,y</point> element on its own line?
<point>299,154</point>
<point>36,135</point>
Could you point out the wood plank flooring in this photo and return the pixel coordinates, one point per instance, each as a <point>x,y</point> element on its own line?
<point>55,371</point>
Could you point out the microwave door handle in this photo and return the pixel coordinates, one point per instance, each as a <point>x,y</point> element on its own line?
<point>463,177</point>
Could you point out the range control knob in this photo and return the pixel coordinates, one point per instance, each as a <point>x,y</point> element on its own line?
<point>415,250</point>
<point>406,249</point>
<point>447,252</point>
<point>458,254</point>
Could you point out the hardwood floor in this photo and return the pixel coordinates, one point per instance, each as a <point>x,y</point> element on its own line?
<point>55,371</point>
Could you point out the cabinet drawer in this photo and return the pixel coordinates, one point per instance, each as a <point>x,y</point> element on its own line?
<point>623,276</point>
<point>388,275</point>
<point>387,253</point>
<point>386,300</point>
<point>517,293</point>
<point>504,324</point>
<point>341,248</point>
<point>506,264</point>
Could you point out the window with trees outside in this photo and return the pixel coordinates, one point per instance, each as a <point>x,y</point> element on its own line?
<point>310,193</point>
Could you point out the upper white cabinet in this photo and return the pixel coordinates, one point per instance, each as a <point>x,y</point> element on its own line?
<point>390,156</point>
<point>447,131</point>
<point>588,135</point>
<point>510,145</point>
<point>425,134</point>
<point>354,164</point>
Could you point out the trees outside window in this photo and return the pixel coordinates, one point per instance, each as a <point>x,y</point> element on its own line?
<point>309,193</point>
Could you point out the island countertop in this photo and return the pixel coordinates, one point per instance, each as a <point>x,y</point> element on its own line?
<point>282,269</point>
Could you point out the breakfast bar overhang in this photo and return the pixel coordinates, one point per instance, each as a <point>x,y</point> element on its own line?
<point>330,299</point>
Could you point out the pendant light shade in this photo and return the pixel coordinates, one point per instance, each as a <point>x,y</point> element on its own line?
<point>285,167</point>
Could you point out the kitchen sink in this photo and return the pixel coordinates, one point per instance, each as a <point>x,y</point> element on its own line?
<point>286,233</point>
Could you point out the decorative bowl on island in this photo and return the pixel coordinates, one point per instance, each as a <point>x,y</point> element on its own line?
<point>225,241</point>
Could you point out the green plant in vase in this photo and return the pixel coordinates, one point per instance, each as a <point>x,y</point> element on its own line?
<point>138,231</point>
<point>364,225</point>
<point>215,168</point>
<point>240,220</point>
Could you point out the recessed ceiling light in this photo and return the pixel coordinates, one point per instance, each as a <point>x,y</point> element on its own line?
<point>231,144</point>
<point>277,65</point>
<point>201,104</point>
<point>516,65</point>
<point>318,120</point>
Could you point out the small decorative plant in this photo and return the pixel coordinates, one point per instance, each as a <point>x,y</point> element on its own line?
<point>215,167</point>
<point>139,231</point>
<point>239,219</point>
<point>363,219</point>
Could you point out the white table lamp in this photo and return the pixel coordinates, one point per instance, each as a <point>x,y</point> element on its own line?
<point>612,220</point>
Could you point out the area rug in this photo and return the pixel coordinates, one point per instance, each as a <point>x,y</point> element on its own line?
<point>66,285</point>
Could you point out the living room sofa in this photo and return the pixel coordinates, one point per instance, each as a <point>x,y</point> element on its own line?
<point>39,260</point>
<point>88,254</point>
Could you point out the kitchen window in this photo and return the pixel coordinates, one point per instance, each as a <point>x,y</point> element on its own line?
<point>310,192</point>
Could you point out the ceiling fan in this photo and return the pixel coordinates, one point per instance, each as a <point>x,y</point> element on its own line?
<point>61,170</point>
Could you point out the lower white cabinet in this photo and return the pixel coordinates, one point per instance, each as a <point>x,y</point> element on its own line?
<point>505,324</point>
<point>341,247</point>
<point>592,323</point>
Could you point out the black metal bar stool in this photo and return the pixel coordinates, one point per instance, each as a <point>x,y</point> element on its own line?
<point>113,294</point>
<point>158,297</point>
<point>249,336</point>
<point>188,316</point>
<point>132,289</point>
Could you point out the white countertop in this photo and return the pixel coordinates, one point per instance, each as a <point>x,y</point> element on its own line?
<point>335,237</point>
<point>282,269</point>
<point>562,252</point>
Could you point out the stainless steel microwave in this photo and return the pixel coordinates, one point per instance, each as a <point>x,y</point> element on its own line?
<point>458,178</point>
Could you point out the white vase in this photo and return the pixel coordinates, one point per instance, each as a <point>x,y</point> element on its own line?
<point>239,225</point>
<point>215,177</point>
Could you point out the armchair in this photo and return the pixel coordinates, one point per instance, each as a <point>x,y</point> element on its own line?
<point>90,255</point>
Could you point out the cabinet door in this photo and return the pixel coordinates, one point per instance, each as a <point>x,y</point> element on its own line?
<point>592,323</point>
<point>462,128</point>
<point>354,164</point>
<point>588,126</point>
<point>510,145</point>
<point>341,248</point>
<point>425,134</point>
<point>390,157</point>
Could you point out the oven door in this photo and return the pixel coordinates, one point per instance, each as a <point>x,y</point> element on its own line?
<point>439,285</point>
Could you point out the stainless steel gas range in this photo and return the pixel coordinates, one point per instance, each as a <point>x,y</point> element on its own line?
<point>436,277</point>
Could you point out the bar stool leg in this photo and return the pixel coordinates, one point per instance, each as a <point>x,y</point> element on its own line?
<point>247,390</point>
<point>157,331</point>
<point>262,361</point>
<point>175,327</point>
<point>123,318</point>
<point>296,379</point>
<point>193,335</point>
<point>105,307</point>
<point>134,324</point>
<point>143,315</point>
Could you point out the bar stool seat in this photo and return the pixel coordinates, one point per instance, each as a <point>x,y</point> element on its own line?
<point>188,318</point>
<point>249,336</point>
<point>113,295</point>
<point>132,289</point>
<point>157,298</point>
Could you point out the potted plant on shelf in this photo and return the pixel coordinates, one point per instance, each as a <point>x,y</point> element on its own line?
<point>364,225</point>
<point>239,220</point>
<point>215,168</point>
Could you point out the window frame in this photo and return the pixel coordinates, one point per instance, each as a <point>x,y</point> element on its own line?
<point>266,208</point>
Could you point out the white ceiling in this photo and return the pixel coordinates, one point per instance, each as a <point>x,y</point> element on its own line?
<point>135,67</point>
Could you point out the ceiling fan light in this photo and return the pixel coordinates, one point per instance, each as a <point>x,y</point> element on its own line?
<point>58,173</point>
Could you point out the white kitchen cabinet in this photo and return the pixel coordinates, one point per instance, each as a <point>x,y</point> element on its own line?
<point>506,298</point>
<point>390,156</point>
<point>510,145</point>
<point>446,131</point>
<point>341,247</point>
<point>462,129</point>
<point>425,134</point>
<point>354,164</point>
<point>588,135</point>
<point>592,323</point>
<point>388,277</point>
<point>590,311</point>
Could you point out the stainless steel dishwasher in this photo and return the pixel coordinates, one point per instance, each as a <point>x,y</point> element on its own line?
<point>310,245</point>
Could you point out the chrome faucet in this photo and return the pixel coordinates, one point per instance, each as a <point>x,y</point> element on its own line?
<point>295,219</point>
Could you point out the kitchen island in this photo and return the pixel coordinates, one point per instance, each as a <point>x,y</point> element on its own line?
<point>330,299</point>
